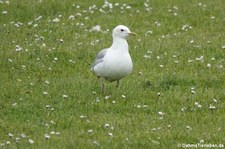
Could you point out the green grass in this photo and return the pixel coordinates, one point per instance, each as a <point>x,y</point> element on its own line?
<point>48,86</point>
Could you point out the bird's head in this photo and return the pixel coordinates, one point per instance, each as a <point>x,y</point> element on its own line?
<point>122,31</point>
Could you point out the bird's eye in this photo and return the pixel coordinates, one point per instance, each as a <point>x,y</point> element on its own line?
<point>122,30</point>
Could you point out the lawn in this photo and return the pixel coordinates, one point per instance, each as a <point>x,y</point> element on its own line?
<point>174,97</point>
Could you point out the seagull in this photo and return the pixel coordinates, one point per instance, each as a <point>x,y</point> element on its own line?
<point>114,63</point>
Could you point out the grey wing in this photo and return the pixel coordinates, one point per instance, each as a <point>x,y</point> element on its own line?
<point>99,58</point>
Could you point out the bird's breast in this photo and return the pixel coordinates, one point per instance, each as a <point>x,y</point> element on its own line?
<point>118,65</point>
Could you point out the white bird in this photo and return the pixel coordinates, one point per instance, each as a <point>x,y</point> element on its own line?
<point>114,63</point>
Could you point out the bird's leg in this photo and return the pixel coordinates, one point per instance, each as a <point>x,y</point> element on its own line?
<point>118,83</point>
<point>102,86</point>
<point>117,89</point>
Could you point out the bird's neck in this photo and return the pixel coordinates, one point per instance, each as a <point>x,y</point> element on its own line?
<point>120,44</point>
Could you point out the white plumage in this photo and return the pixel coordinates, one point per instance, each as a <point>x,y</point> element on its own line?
<point>114,63</point>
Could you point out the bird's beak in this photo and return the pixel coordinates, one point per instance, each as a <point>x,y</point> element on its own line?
<point>132,33</point>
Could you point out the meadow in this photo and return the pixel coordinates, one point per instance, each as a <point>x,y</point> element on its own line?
<point>174,97</point>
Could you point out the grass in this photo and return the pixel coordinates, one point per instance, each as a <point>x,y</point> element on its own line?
<point>175,94</point>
